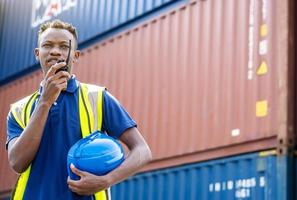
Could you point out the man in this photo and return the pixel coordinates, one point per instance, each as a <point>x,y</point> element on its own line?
<point>42,127</point>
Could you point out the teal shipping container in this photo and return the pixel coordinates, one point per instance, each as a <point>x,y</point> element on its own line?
<point>250,176</point>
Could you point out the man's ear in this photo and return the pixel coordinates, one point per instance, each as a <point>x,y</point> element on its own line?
<point>76,55</point>
<point>36,52</point>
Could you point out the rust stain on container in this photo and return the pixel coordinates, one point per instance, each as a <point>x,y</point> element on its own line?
<point>189,78</point>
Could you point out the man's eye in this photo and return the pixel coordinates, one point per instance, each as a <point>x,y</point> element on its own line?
<point>46,45</point>
<point>64,47</point>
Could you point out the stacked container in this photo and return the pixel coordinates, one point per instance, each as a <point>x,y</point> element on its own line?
<point>93,19</point>
<point>249,176</point>
<point>209,82</point>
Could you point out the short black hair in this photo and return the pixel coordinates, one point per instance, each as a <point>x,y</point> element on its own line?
<point>59,25</point>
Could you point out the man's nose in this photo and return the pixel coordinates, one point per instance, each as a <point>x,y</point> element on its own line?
<point>55,51</point>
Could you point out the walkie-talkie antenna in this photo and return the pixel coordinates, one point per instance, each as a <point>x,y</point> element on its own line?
<point>65,68</point>
<point>67,60</point>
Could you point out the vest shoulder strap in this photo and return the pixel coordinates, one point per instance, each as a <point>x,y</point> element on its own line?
<point>21,109</point>
<point>91,111</point>
<point>90,107</point>
<point>21,112</point>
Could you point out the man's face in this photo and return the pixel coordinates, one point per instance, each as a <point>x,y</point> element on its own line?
<point>54,46</point>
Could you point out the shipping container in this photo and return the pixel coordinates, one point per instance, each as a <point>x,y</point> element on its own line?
<point>2,10</point>
<point>248,176</point>
<point>251,176</point>
<point>94,19</point>
<point>5,196</point>
<point>205,80</point>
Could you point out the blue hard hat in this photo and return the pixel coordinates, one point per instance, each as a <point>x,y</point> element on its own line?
<point>97,153</point>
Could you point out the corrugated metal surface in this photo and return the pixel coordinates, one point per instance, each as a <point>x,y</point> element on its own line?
<point>5,196</point>
<point>92,18</point>
<point>192,90</point>
<point>2,9</point>
<point>242,177</point>
<point>199,93</point>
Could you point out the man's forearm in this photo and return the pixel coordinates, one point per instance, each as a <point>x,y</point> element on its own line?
<point>22,151</point>
<point>136,159</point>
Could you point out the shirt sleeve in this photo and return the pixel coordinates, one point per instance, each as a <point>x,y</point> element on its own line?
<point>115,118</point>
<point>13,129</point>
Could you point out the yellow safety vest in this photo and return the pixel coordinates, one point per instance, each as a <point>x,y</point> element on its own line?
<point>90,115</point>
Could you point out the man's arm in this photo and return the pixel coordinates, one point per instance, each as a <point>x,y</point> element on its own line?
<point>22,149</point>
<point>139,155</point>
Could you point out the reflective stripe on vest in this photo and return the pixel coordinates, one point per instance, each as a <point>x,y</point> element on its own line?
<point>90,115</point>
<point>21,112</point>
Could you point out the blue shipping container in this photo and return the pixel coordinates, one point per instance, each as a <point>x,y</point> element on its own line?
<point>253,176</point>
<point>1,19</point>
<point>250,176</point>
<point>94,19</point>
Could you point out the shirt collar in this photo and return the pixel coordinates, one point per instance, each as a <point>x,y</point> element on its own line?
<point>72,85</point>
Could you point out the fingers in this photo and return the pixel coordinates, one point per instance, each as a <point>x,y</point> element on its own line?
<point>76,171</point>
<point>54,68</point>
<point>80,187</point>
<point>52,77</point>
<point>74,188</point>
<point>61,74</point>
<point>59,84</point>
<point>57,79</point>
<point>72,183</point>
<point>87,185</point>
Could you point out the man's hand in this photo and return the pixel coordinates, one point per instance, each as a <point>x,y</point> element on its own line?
<point>54,83</point>
<point>88,184</point>
<point>138,156</point>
